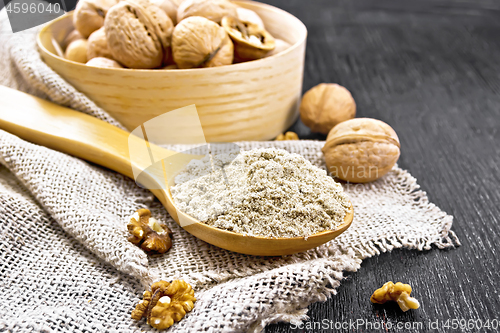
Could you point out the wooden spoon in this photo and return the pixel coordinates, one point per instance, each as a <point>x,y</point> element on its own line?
<point>80,135</point>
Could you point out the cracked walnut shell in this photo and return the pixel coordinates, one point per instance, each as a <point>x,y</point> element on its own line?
<point>361,150</point>
<point>250,40</point>
<point>138,33</point>
<point>199,42</point>
<point>398,292</point>
<point>214,10</point>
<point>148,232</point>
<point>89,15</point>
<point>165,304</point>
<point>326,105</point>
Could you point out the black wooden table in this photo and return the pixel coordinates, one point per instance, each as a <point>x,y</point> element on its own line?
<point>431,69</point>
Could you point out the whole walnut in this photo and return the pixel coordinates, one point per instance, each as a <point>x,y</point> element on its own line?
<point>98,45</point>
<point>71,37</point>
<point>89,15</point>
<point>199,42</point>
<point>77,51</point>
<point>169,7</point>
<point>138,33</point>
<point>361,150</point>
<point>103,63</point>
<point>213,10</point>
<point>326,105</point>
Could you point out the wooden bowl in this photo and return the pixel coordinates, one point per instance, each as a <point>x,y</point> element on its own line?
<point>255,100</point>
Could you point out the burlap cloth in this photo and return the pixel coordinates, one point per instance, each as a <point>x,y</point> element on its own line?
<point>65,263</point>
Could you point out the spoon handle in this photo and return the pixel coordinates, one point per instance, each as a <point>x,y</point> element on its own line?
<point>72,132</point>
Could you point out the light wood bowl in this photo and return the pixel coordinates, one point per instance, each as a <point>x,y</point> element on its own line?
<point>256,100</point>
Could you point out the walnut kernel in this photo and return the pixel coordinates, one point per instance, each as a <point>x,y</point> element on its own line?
<point>165,304</point>
<point>287,136</point>
<point>398,292</point>
<point>148,232</point>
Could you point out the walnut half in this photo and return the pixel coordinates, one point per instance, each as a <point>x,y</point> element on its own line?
<point>398,292</point>
<point>148,233</point>
<point>251,41</point>
<point>165,304</point>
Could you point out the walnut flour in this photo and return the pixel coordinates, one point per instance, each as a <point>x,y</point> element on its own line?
<point>261,192</point>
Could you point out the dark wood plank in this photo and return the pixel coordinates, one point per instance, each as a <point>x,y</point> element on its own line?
<point>431,69</point>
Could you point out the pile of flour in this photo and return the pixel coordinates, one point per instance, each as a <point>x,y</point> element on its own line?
<point>261,192</point>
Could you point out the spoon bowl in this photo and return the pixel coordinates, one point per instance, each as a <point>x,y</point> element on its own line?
<point>59,128</point>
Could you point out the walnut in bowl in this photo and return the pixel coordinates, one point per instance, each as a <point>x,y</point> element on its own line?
<point>251,40</point>
<point>89,15</point>
<point>198,42</point>
<point>138,33</point>
<point>213,10</point>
